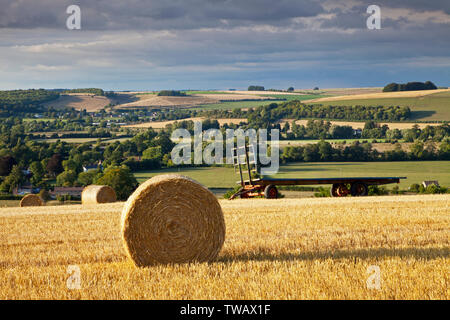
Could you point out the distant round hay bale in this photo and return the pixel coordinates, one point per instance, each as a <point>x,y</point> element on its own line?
<point>172,219</point>
<point>98,194</point>
<point>31,200</point>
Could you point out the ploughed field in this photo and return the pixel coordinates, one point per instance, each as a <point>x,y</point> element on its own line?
<point>274,249</point>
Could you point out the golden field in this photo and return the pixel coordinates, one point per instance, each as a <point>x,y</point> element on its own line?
<point>146,100</point>
<point>396,94</point>
<point>274,249</point>
<point>80,101</point>
<point>163,124</point>
<point>360,125</point>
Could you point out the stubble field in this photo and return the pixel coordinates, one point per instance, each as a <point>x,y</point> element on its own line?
<point>274,249</point>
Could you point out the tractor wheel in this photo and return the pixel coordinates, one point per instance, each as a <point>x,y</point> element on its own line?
<point>359,189</point>
<point>271,192</point>
<point>334,190</point>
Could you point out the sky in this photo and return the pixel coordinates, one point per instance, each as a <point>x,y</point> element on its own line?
<point>222,44</point>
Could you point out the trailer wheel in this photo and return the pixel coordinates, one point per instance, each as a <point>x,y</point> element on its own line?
<point>271,192</point>
<point>359,189</point>
<point>334,190</point>
<point>340,190</point>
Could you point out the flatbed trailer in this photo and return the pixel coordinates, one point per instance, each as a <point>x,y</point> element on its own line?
<point>340,187</point>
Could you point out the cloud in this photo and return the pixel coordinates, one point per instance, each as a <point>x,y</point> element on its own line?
<point>221,43</point>
<point>155,14</point>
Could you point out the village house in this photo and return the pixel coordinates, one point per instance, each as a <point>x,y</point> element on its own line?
<point>430,183</point>
<point>25,189</point>
<point>94,166</point>
<point>66,191</point>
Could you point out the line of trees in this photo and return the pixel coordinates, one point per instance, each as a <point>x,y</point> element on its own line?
<point>96,91</point>
<point>172,93</point>
<point>264,116</point>
<point>256,88</point>
<point>319,129</point>
<point>324,151</point>
<point>410,86</point>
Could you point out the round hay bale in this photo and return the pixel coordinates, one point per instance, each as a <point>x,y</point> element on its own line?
<point>98,194</point>
<point>31,200</point>
<point>172,219</point>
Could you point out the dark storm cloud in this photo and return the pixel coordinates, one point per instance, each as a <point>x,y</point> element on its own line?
<point>411,13</point>
<point>155,14</point>
<point>194,14</point>
<point>419,5</point>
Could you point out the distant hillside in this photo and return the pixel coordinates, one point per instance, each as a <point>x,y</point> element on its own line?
<point>25,100</point>
<point>80,101</point>
<point>425,105</point>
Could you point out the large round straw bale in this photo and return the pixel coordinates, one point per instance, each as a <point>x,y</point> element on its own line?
<point>98,194</point>
<point>31,200</point>
<point>172,219</point>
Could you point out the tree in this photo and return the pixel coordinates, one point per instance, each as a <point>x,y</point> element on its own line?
<point>71,165</point>
<point>13,180</point>
<point>6,165</point>
<point>410,86</point>
<point>256,88</point>
<point>87,178</point>
<point>409,135</point>
<point>153,153</point>
<point>311,153</point>
<point>430,86</point>
<point>66,178</point>
<point>45,195</point>
<point>290,89</point>
<point>391,87</point>
<point>173,93</point>
<point>38,172</point>
<point>54,165</point>
<point>325,150</point>
<point>370,125</point>
<point>120,179</point>
<point>444,150</point>
<point>395,134</point>
<point>342,132</point>
<point>417,149</point>
<point>163,140</point>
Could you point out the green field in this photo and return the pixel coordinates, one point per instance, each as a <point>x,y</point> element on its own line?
<point>434,107</point>
<point>42,119</point>
<point>84,140</point>
<point>416,172</point>
<point>69,140</point>
<point>234,105</point>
